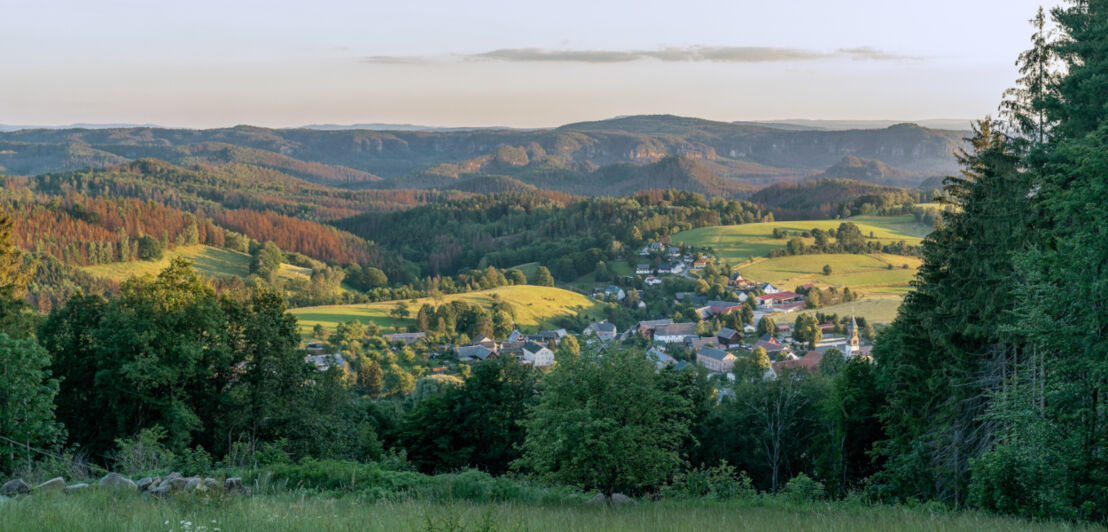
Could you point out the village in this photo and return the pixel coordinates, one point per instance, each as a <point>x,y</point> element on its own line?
<point>772,348</point>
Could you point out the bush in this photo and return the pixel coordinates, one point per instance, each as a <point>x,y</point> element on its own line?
<point>150,248</point>
<point>194,461</point>
<point>145,452</point>
<point>803,488</point>
<point>719,482</point>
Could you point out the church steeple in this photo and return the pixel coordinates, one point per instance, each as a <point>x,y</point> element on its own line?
<point>853,342</point>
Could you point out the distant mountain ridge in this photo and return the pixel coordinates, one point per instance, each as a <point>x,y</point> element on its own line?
<point>593,158</point>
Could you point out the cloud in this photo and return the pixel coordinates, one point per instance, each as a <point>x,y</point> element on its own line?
<point>690,54</point>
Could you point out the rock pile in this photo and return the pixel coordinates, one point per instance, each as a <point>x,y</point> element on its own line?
<point>154,486</point>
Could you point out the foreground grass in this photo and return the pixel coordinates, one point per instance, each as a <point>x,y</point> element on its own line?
<point>100,510</point>
<point>535,306</point>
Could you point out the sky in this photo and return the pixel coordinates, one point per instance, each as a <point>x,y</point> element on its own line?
<point>278,63</point>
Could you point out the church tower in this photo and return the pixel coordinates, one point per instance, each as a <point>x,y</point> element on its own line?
<point>853,342</point>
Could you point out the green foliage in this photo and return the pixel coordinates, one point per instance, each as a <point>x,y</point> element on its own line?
<point>543,277</point>
<point>145,452</point>
<point>150,248</point>
<point>721,482</point>
<point>582,433</point>
<point>27,391</point>
<point>802,489</point>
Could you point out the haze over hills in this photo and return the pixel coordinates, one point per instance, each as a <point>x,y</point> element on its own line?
<point>605,157</point>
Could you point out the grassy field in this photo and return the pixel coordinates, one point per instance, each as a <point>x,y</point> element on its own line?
<point>207,260</point>
<point>535,306</point>
<point>104,511</point>
<point>739,243</point>
<point>866,273</point>
<point>877,308</point>
<point>210,261</point>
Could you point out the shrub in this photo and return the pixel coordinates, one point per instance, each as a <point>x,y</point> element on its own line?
<point>194,461</point>
<point>144,452</point>
<point>719,482</point>
<point>803,488</point>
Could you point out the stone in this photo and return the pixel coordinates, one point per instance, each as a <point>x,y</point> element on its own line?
<point>193,483</point>
<point>234,486</point>
<point>76,487</point>
<point>163,489</point>
<point>211,484</point>
<point>173,475</point>
<point>14,487</point>
<point>53,485</point>
<point>174,483</point>
<point>146,483</point>
<point>116,481</point>
<point>619,498</point>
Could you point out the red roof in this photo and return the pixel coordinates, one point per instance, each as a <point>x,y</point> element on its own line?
<point>779,296</point>
<point>809,362</point>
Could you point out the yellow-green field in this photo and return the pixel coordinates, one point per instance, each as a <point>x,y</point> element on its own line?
<point>738,243</point>
<point>207,260</point>
<point>535,307</point>
<point>877,308</point>
<point>210,261</point>
<point>867,273</point>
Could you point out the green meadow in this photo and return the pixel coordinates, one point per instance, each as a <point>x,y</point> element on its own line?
<point>207,260</point>
<point>535,307</point>
<point>95,511</point>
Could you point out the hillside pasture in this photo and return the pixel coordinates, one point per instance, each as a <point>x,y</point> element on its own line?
<point>206,260</point>
<point>535,306</point>
<point>865,273</point>
<point>735,244</point>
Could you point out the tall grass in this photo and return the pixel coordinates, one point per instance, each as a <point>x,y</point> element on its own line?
<point>102,510</point>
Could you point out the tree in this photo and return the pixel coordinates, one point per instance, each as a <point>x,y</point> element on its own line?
<point>375,277</point>
<point>1024,106</point>
<point>543,277</point>
<point>766,326</point>
<point>267,260</point>
<point>150,248</point>
<point>760,358</point>
<point>400,311</point>
<point>832,362</point>
<point>568,347</point>
<point>516,277</point>
<point>827,269</point>
<point>582,432</point>
<point>27,392</point>
<point>318,331</point>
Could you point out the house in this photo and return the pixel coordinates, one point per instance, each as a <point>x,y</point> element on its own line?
<point>484,341</point>
<point>674,251</point>
<point>646,328</point>
<point>614,292</point>
<point>700,263</point>
<point>716,360</point>
<point>768,301</point>
<point>602,330</point>
<point>690,298</point>
<point>314,347</point>
<point>660,358</point>
<point>767,288</point>
<point>674,332</point>
<point>405,338</point>
<point>728,337</point>
<point>537,355</point>
<point>512,348</point>
<point>516,336</point>
<point>643,269</point>
<point>723,307</point>
<point>809,362</point>
<point>793,306</point>
<point>786,330</point>
<point>704,312</point>
<point>771,347</point>
<point>325,362</point>
<point>652,281</point>
<point>547,337</point>
<point>657,247</point>
<point>697,342</point>
<point>474,353</point>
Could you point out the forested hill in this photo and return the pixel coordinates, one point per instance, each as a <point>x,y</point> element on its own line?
<point>732,158</point>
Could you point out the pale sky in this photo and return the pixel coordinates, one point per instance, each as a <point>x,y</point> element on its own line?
<point>278,63</point>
